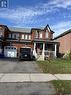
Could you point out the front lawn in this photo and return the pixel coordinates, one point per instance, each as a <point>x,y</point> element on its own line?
<point>55,66</point>
<point>63,87</point>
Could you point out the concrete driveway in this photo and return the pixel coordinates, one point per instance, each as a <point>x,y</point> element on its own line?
<point>15,66</point>
<point>23,88</point>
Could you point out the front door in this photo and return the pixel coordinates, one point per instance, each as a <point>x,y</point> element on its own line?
<point>39,47</point>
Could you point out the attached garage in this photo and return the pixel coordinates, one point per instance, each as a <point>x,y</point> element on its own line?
<point>10,51</point>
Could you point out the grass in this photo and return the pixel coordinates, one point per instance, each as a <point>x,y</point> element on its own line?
<point>55,66</point>
<point>63,87</point>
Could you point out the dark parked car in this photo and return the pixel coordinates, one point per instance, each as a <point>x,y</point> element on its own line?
<point>26,53</point>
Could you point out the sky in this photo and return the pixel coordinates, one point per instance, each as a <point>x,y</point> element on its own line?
<point>37,13</point>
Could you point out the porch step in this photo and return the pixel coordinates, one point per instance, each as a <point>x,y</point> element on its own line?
<point>40,57</point>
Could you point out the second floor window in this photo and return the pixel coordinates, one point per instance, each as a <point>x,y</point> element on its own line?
<point>36,34</point>
<point>1,34</point>
<point>29,37</point>
<point>40,35</point>
<point>46,34</point>
<point>22,36</point>
<point>26,37</point>
<point>10,35</point>
<point>14,36</point>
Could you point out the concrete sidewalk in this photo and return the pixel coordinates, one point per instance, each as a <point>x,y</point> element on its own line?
<point>19,77</point>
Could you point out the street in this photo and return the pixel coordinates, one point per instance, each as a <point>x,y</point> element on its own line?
<point>26,89</point>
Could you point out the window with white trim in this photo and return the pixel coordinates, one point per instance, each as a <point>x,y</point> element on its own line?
<point>29,37</point>
<point>1,34</point>
<point>40,35</point>
<point>36,34</point>
<point>46,34</point>
<point>15,36</point>
<point>26,37</point>
<point>10,36</point>
<point>22,36</point>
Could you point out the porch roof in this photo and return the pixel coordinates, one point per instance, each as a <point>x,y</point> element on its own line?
<point>46,41</point>
<point>19,41</point>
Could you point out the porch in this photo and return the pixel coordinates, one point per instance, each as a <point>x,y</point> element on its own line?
<point>44,50</point>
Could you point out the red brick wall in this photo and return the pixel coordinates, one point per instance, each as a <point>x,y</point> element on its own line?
<point>50,34</point>
<point>19,45</point>
<point>65,43</point>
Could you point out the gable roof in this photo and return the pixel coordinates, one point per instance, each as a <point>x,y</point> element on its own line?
<point>63,34</point>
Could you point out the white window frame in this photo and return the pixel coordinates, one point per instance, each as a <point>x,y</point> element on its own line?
<point>46,34</point>
<point>10,35</point>
<point>1,34</point>
<point>40,35</point>
<point>26,36</point>
<point>29,37</point>
<point>13,35</point>
<point>36,34</point>
<point>22,37</point>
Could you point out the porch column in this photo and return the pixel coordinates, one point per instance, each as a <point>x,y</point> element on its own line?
<point>34,51</point>
<point>43,50</point>
<point>55,50</point>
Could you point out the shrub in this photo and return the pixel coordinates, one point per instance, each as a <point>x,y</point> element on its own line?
<point>67,55</point>
<point>70,55</point>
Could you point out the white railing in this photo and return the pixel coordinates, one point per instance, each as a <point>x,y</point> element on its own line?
<point>49,53</point>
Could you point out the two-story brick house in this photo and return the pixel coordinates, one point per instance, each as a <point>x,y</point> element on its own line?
<point>40,40</point>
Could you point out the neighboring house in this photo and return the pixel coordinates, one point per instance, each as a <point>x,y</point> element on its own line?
<point>4,31</point>
<point>40,40</point>
<point>65,42</point>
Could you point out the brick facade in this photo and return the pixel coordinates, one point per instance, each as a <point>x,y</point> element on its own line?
<point>21,37</point>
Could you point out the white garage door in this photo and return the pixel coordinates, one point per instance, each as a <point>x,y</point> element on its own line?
<point>10,51</point>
